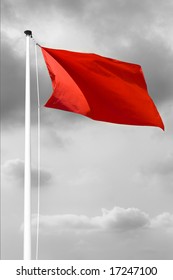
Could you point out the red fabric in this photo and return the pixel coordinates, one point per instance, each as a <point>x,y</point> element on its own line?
<point>100,88</point>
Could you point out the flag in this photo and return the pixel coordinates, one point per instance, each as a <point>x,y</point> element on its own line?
<point>100,88</point>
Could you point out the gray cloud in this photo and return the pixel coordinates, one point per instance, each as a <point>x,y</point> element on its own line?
<point>14,170</point>
<point>13,94</point>
<point>130,30</point>
<point>75,7</point>
<point>134,31</point>
<point>158,173</point>
<point>162,168</point>
<point>13,87</point>
<point>157,67</point>
<point>164,220</point>
<point>141,33</point>
<point>117,219</point>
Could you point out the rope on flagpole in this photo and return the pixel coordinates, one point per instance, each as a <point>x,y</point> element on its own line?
<point>27,170</point>
<point>37,44</point>
<point>38,154</point>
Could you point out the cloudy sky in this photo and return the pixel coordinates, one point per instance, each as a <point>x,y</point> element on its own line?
<point>106,189</point>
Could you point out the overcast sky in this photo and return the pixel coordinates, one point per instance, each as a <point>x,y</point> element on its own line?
<point>106,189</point>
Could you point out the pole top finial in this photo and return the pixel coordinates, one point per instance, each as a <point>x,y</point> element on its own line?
<point>28,32</point>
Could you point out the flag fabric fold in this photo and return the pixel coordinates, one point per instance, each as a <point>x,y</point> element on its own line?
<point>100,88</point>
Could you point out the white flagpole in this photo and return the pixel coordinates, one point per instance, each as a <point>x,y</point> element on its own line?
<point>27,169</point>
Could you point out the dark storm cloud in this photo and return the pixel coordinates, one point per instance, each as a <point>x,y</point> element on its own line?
<point>67,7</point>
<point>13,92</point>
<point>135,31</point>
<point>72,7</point>
<point>13,87</point>
<point>155,59</point>
<point>139,32</point>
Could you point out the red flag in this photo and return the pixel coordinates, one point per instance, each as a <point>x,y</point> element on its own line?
<point>100,88</point>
